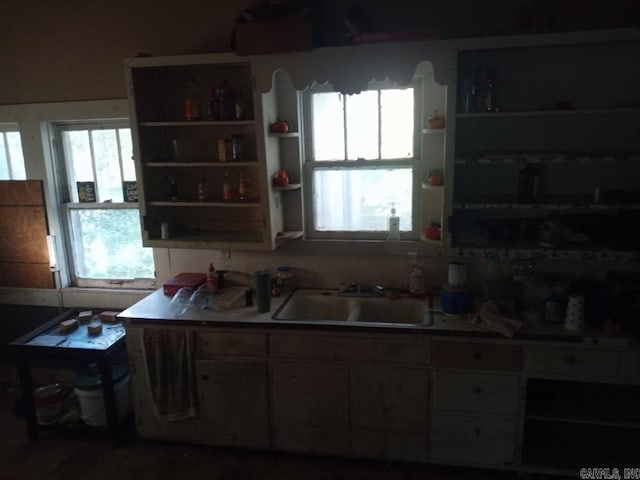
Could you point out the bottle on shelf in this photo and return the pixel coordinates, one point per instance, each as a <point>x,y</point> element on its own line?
<point>417,287</point>
<point>192,101</point>
<point>243,187</point>
<point>528,184</point>
<point>172,188</point>
<point>229,187</point>
<point>203,189</point>
<point>211,279</point>
<point>394,225</point>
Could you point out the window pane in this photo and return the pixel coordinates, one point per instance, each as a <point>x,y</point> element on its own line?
<point>360,199</point>
<point>107,244</point>
<point>362,125</point>
<point>126,153</point>
<point>17,158</point>
<point>4,159</point>
<point>328,126</point>
<point>107,160</point>
<point>397,123</point>
<point>78,152</point>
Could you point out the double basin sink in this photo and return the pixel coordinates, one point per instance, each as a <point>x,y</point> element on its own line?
<point>308,305</point>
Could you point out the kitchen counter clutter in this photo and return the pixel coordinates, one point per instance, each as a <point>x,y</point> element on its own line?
<point>448,392</point>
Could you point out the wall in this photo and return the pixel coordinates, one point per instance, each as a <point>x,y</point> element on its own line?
<point>72,50</point>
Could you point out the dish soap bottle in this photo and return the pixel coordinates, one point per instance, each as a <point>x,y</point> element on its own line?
<point>394,225</point>
<point>416,278</point>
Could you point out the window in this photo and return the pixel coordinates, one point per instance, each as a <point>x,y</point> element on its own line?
<point>361,162</point>
<point>104,236</point>
<point>11,158</point>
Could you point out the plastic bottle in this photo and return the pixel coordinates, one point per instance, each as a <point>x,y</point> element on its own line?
<point>211,279</point>
<point>416,278</point>
<point>203,189</point>
<point>394,225</point>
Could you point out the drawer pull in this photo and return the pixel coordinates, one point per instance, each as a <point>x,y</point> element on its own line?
<point>205,377</point>
<point>476,390</point>
<point>571,360</point>
<point>477,430</point>
<point>477,356</point>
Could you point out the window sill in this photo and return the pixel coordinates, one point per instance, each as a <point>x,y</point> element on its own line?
<point>362,247</point>
<point>101,297</point>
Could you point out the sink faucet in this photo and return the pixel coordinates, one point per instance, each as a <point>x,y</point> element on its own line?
<point>359,290</point>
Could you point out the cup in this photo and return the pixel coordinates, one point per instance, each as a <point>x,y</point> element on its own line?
<point>457,274</point>
<point>180,301</point>
<point>262,287</point>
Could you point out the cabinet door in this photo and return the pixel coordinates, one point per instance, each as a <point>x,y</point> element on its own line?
<point>389,412</point>
<point>310,407</point>
<point>470,439</point>
<point>233,402</point>
<point>148,423</point>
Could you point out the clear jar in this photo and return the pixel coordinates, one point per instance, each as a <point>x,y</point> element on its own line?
<point>284,278</point>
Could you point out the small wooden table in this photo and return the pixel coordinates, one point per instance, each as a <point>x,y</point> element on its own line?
<point>75,348</point>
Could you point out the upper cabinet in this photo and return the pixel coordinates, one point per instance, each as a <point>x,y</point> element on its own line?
<point>200,154</point>
<point>547,146</point>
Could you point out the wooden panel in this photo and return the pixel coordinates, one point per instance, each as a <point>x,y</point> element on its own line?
<point>24,258</point>
<point>350,349</point>
<point>476,393</point>
<point>234,402</point>
<point>26,275</point>
<point>311,407</point>
<point>21,193</point>
<point>572,361</point>
<point>231,343</point>
<point>479,356</point>
<point>482,440</point>
<point>23,235</point>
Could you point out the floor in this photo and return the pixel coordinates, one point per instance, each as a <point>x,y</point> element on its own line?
<point>54,457</point>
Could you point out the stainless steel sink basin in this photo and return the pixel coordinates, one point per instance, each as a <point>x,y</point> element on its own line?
<point>328,306</point>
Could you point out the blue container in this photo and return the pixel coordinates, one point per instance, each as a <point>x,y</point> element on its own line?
<point>455,302</point>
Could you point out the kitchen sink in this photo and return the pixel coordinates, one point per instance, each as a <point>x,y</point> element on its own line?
<point>308,305</point>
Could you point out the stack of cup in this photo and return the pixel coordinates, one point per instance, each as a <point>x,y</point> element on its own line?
<point>574,317</point>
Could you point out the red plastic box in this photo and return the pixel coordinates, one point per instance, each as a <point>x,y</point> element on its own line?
<point>191,280</point>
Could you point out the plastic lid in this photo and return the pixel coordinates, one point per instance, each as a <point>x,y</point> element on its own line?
<point>89,378</point>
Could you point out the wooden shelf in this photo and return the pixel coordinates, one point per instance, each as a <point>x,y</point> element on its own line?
<point>426,186</point>
<point>437,243</point>
<point>290,235</point>
<point>542,158</point>
<point>585,421</point>
<point>291,186</point>
<point>433,131</point>
<point>547,113</point>
<point>284,135</point>
<point>205,164</point>
<point>201,123</point>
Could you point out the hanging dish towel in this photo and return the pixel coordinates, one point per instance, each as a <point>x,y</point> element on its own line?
<point>169,360</point>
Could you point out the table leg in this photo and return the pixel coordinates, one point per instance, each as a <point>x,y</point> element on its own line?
<point>26,388</point>
<point>109,397</point>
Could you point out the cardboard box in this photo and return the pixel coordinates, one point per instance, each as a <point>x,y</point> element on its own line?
<point>256,38</point>
<point>190,280</point>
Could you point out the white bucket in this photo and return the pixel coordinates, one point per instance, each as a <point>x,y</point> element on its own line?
<point>90,395</point>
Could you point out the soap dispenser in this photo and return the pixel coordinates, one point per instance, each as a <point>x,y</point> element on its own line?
<point>394,225</point>
<point>417,287</point>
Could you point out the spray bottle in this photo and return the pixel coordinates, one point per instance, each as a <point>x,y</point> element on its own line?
<point>394,225</point>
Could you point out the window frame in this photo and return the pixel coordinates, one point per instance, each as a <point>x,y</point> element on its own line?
<point>310,165</point>
<point>64,191</point>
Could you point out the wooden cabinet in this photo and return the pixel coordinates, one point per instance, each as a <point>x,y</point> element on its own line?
<point>233,399</point>
<point>205,178</point>
<point>389,408</point>
<point>310,407</point>
<point>475,402</point>
<point>559,144</point>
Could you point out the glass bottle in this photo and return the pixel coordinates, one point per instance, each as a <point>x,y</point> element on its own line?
<point>243,187</point>
<point>192,101</point>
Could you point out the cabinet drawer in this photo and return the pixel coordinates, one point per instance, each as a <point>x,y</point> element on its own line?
<point>480,356</point>
<point>476,393</point>
<point>349,349</point>
<point>231,343</point>
<point>572,361</point>
<point>482,440</point>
